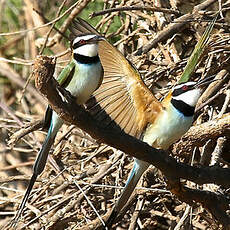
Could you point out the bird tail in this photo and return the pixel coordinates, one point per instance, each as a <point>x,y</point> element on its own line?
<point>138,169</point>
<point>40,161</point>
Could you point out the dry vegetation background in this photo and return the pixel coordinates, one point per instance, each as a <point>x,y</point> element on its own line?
<point>79,167</point>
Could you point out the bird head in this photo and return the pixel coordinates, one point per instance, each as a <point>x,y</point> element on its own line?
<point>184,96</point>
<point>86,45</point>
<point>190,92</point>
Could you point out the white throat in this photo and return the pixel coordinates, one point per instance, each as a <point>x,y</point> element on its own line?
<point>190,97</point>
<point>90,50</point>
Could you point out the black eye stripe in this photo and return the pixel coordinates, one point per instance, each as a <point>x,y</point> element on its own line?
<point>82,41</point>
<point>76,45</point>
<point>177,92</point>
<point>79,43</point>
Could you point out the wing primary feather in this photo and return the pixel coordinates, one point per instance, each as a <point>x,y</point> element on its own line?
<point>107,92</point>
<point>125,118</point>
<point>111,79</point>
<point>120,113</point>
<point>116,110</point>
<point>94,104</point>
<point>104,109</point>
<point>133,128</point>
<point>104,101</point>
<point>108,120</point>
<point>123,97</point>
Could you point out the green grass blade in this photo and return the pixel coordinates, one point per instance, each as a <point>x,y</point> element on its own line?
<point>197,53</point>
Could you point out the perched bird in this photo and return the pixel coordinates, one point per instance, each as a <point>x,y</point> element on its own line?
<point>132,106</point>
<point>81,77</point>
<point>124,101</point>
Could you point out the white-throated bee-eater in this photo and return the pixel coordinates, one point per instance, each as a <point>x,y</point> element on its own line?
<point>125,101</point>
<point>81,77</point>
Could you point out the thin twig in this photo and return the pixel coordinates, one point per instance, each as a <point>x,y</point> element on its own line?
<point>131,8</point>
<point>42,26</point>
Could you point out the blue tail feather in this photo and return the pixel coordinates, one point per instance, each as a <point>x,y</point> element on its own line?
<point>41,159</point>
<point>138,169</point>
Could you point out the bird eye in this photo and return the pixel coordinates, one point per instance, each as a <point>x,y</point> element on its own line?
<point>82,42</point>
<point>184,87</point>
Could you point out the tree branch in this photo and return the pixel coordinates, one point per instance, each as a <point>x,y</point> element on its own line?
<point>64,104</point>
<point>198,135</point>
<point>133,8</point>
<point>173,28</point>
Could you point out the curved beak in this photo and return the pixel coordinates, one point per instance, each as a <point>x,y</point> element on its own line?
<point>95,39</point>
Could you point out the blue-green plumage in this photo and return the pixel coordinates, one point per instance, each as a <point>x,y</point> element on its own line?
<point>81,77</point>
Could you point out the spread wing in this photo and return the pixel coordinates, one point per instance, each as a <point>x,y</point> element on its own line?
<point>123,99</point>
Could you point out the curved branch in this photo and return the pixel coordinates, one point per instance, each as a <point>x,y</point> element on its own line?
<point>64,104</point>
<point>200,134</point>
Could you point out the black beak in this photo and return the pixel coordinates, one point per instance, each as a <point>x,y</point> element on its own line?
<point>95,39</point>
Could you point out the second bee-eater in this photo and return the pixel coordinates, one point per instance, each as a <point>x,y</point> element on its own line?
<point>81,77</point>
